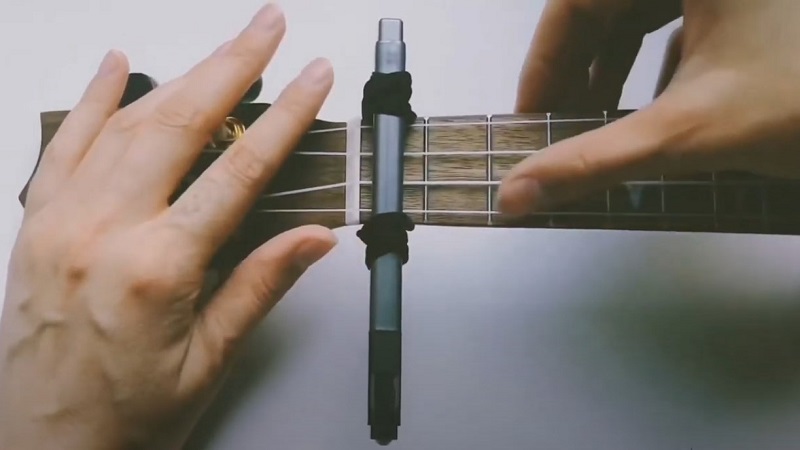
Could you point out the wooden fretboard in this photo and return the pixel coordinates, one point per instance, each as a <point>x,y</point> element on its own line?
<point>453,166</point>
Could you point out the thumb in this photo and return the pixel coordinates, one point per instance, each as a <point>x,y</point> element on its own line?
<point>257,284</point>
<point>650,142</point>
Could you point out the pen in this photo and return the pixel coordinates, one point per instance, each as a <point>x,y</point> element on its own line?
<point>386,272</point>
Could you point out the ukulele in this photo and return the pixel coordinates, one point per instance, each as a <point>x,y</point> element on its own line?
<point>452,169</point>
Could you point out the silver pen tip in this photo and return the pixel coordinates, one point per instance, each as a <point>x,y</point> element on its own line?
<point>390,30</point>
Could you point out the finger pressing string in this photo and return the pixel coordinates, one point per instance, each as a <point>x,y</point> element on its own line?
<point>635,146</point>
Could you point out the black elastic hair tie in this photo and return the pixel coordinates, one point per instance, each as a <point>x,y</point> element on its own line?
<point>389,94</point>
<point>386,233</point>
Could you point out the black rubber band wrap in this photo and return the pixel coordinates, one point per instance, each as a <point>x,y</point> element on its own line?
<point>389,94</point>
<point>386,233</point>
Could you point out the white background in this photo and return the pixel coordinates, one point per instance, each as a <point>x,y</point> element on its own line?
<point>512,339</point>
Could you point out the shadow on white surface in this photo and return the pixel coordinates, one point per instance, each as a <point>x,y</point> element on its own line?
<point>580,343</point>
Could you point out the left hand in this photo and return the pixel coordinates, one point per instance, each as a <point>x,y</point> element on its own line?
<point>103,341</point>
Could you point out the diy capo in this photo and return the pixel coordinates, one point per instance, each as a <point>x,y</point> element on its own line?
<point>385,106</point>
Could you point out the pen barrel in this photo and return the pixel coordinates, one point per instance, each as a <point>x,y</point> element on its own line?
<point>386,270</point>
<point>386,288</point>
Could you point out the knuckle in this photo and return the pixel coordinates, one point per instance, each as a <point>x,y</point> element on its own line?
<point>182,114</point>
<point>122,121</point>
<point>245,163</point>
<point>215,344</point>
<point>73,261</point>
<point>295,106</point>
<point>76,265</point>
<point>220,341</point>
<point>147,276</point>
<point>585,164</point>
<point>270,285</point>
<point>243,57</point>
<point>291,116</point>
<point>294,111</point>
<point>269,288</point>
<point>76,269</point>
<point>146,283</point>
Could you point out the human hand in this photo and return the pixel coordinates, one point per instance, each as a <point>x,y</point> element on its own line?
<point>103,343</point>
<point>731,105</point>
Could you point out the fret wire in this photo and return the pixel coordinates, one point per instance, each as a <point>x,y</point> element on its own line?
<point>549,130</point>
<point>608,191</point>
<point>488,167</point>
<point>714,199</point>
<point>549,143</point>
<point>425,151</point>
<point>764,215</point>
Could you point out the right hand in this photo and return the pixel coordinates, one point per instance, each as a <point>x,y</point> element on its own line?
<point>733,103</point>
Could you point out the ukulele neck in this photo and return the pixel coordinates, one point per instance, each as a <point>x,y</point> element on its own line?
<point>453,167</point>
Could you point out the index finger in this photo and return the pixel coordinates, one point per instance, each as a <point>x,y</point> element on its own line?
<point>561,52</point>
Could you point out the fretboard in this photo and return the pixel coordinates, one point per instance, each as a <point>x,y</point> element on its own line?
<point>453,167</point>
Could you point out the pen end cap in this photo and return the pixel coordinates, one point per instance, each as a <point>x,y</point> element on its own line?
<point>390,30</point>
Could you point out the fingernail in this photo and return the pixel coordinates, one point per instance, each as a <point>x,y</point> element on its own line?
<point>269,16</point>
<point>312,251</point>
<point>108,65</point>
<point>317,72</point>
<point>521,196</point>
